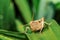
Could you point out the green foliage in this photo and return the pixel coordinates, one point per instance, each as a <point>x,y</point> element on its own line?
<point>20,26</point>
<point>50,33</point>
<point>58,5</point>
<point>4,14</point>
<point>16,35</point>
<point>12,28</point>
<point>4,38</point>
<point>24,7</point>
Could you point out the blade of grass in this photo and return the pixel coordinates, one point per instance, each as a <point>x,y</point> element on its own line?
<point>11,16</point>
<point>49,11</point>
<point>24,7</point>
<point>4,4</point>
<point>1,13</point>
<point>58,5</point>
<point>12,34</point>
<point>41,9</point>
<point>19,26</point>
<point>56,29</point>
<point>2,37</point>
<point>52,33</point>
<point>35,5</point>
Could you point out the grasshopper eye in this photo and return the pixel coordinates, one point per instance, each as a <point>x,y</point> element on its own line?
<point>39,21</point>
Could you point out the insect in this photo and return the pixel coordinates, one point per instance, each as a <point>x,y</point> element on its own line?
<point>37,24</point>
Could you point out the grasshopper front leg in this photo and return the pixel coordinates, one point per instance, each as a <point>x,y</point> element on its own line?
<point>27,28</point>
<point>47,23</point>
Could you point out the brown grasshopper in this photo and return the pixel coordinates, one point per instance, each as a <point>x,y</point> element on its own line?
<point>37,25</point>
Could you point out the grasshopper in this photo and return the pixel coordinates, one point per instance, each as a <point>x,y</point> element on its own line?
<point>37,25</point>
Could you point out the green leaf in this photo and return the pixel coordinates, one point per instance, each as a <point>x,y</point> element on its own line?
<point>2,37</point>
<point>16,35</point>
<point>58,5</point>
<point>19,26</point>
<point>4,4</point>
<point>24,7</point>
<point>11,17</point>
<point>56,29</point>
<point>50,33</point>
<point>41,10</point>
<point>7,14</point>
<point>49,11</point>
<point>35,5</point>
<point>45,9</point>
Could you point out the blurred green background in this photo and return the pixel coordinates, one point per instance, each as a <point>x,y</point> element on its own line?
<point>14,14</point>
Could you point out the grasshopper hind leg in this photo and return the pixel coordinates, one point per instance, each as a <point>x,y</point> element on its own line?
<point>41,30</point>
